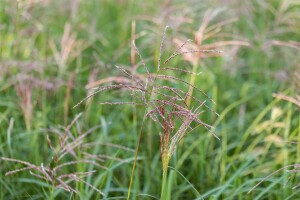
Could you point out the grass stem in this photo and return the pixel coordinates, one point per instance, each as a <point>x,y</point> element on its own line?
<point>164,185</point>
<point>135,159</point>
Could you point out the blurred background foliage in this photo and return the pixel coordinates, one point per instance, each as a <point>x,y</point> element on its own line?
<point>53,52</point>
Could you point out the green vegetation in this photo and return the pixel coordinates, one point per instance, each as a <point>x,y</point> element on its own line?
<point>56,143</point>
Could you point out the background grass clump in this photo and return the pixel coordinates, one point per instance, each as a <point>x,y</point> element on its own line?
<point>53,53</point>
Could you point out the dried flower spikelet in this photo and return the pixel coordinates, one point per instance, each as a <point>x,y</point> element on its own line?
<point>24,93</point>
<point>70,48</point>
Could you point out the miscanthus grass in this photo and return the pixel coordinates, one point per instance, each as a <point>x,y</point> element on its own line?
<point>176,111</point>
<point>65,168</point>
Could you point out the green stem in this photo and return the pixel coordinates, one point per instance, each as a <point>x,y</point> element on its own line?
<point>135,160</point>
<point>164,185</point>
<point>52,192</point>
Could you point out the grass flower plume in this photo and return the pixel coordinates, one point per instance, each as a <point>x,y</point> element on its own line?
<point>165,104</point>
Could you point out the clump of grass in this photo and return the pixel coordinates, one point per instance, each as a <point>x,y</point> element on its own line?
<point>68,152</point>
<point>292,99</point>
<point>166,105</point>
<point>294,168</point>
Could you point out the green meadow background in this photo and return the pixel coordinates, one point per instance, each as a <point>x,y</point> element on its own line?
<point>53,52</point>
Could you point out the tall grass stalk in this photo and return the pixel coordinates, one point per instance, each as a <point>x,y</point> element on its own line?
<point>164,193</point>
<point>164,104</point>
<point>135,160</point>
